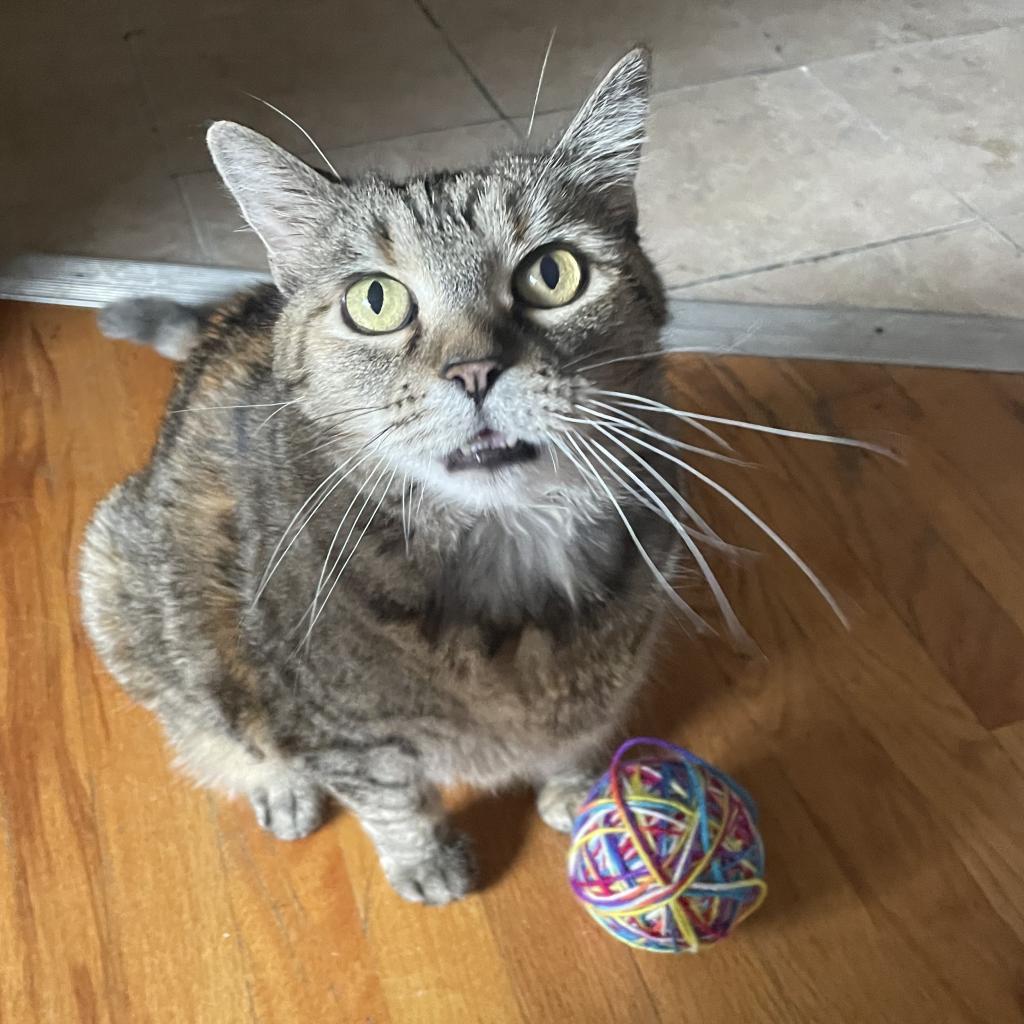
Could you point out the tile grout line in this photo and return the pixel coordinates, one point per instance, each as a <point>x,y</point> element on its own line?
<point>821,257</point>
<point>457,54</point>
<point>509,119</point>
<point>982,218</point>
<point>978,216</point>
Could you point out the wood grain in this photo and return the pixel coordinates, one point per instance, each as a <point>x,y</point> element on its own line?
<point>888,760</point>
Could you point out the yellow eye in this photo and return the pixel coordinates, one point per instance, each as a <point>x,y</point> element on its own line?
<point>376,304</point>
<point>551,278</point>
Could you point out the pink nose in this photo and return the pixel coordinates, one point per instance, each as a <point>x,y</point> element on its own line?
<point>477,376</point>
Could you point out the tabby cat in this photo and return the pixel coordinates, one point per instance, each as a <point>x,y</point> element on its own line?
<point>387,539</point>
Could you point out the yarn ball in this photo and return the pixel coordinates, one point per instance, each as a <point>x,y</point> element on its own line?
<point>665,851</point>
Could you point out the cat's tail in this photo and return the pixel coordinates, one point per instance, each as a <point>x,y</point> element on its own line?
<point>169,327</point>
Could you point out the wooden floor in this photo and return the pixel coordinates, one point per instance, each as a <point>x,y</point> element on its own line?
<point>888,761</point>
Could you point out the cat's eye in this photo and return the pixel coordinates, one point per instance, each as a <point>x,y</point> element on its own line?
<point>377,304</point>
<point>549,278</point>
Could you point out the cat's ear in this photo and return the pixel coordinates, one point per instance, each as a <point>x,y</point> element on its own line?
<point>285,201</point>
<point>601,147</point>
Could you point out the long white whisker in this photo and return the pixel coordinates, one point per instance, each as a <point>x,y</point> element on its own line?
<point>291,120</point>
<point>222,408</point>
<point>800,435</point>
<point>590,355</point>
<point>284,405</point>
<point>707,533</point>
<point>405,521</point>
<point>695,620</point>
<point>670,441</point>
<point>733,622</point>
<point>355,547</point>
<point>700,427</point>
<point>639,356</point>
<point>340,526</point>
<point>272,565</point>
<point>755,519</point>
<point>585,477</point>
<point>540,81</point>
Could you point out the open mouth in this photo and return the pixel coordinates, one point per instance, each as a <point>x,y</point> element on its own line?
<point>490,449</point>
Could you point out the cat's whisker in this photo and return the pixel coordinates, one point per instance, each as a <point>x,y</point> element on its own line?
<point>800,435</point>
<point>355,547</point>
<point>704,530</point>
<point>284,406</point>
<point>692,617</point>
<point>405,521</point>
<point>670,441</point>
<point>225,408</point>
<point>274,561</point>
<point>540,81</point>
<point>699,427</point>
<point>334,539</point>
<point>590,355</point>
<point>739,634</point>
<point>754,518</point>
<point>640,356</point>
<point>292,121</point>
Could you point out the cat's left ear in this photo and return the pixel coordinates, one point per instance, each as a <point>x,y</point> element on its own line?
<point>285,201</point>
<point>601,147</point>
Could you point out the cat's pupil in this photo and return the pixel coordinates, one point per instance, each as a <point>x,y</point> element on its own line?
<point>375,297</point>
<point>549,271</point>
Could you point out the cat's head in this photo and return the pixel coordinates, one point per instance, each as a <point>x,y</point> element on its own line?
<point>444,328</point>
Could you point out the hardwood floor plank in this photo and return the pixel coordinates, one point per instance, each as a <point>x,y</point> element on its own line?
<point>887,760</point>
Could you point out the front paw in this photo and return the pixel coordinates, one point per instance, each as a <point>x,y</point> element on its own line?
<point>291,809</point>
<point>444,872</point>
<point>560,799</point>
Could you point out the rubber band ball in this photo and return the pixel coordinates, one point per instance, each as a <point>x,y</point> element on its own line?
<point>665,851</point>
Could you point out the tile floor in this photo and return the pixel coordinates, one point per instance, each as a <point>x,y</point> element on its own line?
<point>851,152</point>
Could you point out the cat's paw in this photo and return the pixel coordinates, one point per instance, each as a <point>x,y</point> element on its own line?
<point>291,810</point>
<point>560,799</point>
<point>445,873</point>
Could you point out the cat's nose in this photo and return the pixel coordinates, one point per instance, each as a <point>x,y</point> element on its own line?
<point>476,376</point>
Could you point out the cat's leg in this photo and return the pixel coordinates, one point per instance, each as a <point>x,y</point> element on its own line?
<point>425,859</point>
<point>285,800</point>
<point>561,794</point>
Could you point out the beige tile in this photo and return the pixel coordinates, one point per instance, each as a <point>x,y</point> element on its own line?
<point>132,217</point>
<point>967,270</point>
<point>768,169</point>
<point>349,73</point>
<point>80,170</point>
<point>938,18</point>
<point>955,104</point>
<point>228,242</point>
<point>693,43</point>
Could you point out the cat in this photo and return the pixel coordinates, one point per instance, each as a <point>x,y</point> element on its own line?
<point>383,542</point>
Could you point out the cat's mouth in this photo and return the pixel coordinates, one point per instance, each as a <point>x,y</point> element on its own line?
<point>490,449</point>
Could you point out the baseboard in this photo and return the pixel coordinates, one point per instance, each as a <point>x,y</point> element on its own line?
<point>808,332</point>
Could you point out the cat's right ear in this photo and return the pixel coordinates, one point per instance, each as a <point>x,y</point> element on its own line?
<point>285,201</point>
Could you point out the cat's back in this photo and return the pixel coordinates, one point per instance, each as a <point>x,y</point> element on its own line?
<point>126,561</point>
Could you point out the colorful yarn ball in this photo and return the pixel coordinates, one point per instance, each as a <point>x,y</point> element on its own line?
<point>665,851</point>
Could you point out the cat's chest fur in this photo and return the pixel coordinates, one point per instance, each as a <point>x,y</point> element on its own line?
<point>492,642</point>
